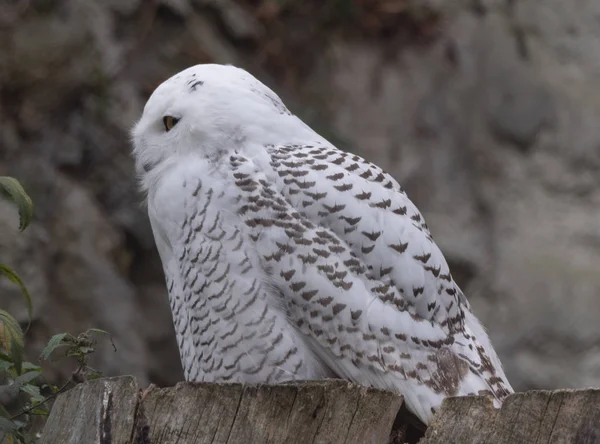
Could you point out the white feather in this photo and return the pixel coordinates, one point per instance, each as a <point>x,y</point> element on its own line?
<point>286,258</point>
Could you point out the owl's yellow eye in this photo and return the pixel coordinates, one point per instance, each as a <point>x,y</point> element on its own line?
<point>170,122</point>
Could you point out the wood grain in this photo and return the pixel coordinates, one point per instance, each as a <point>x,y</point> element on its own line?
<point>534,417</point>
<point>110,411</point>
<point>114,410</point>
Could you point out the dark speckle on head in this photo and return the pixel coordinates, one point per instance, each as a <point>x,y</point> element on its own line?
<point>194,83</point>
<point>149,166</point>
<point>275,101</point>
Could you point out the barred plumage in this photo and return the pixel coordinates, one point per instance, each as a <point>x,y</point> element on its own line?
<point>286,258</point>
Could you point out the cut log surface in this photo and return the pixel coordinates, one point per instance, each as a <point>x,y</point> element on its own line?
<point>113,410</point>
<point>534,417</point>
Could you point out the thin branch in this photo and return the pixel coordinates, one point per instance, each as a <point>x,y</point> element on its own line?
<point>45,400</point>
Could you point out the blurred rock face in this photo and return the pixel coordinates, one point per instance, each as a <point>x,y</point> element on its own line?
<point>491,126</point>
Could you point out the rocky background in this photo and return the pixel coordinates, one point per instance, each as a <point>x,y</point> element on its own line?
<point>486,111</point>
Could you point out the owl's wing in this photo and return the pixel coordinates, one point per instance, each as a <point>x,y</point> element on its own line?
<point>168,238</point>
<point>360,324</point>
<point>226,326</point>
<point>368,209</point>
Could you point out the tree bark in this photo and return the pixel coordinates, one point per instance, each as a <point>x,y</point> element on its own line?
<point>534,417</point>
<point>114,411</point>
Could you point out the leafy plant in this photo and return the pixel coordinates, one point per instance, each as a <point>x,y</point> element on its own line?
<point>20,381</point>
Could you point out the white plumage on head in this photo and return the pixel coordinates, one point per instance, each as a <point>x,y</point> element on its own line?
<point>286,258</point>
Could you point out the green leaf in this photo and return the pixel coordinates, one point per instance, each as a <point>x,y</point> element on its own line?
<point>34,393</point>
<point>16,353</point>
<point>11,338</point>
<point>8,425</point>
<point>14,278</point>
<point>4,367</point>
<point>12,389</point>
<point>93,374</point>
<point>3,412</point>
<point>86,350</point>
<point>19,424</point>
<point>26,378</point>
<point>15,192</point>
<point>31,367</point>
<point>103,332</point>
<point>41,411</point>
<point>54,342</point>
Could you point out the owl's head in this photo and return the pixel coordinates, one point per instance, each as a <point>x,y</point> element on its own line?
<point>210,110</point>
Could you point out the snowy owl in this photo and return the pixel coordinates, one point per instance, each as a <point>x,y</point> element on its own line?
<point>288,259</point>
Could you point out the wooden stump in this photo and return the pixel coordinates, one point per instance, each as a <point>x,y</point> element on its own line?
<point>535,417</point>
<point>111,411</point>
<point>115,411</point>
